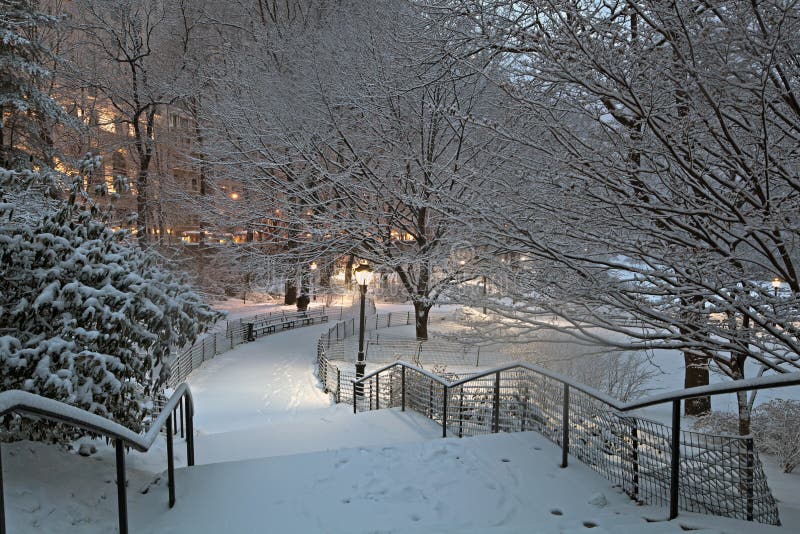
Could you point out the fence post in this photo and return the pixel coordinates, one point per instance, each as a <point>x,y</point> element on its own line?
<point>444,411</point>
<point>392,379</point>
<point>389,320</point>
<point>403,389</point>
<point>377,392</point>
<point>170,464</point>
<point>461,414</point>
<point>565,427</point>
<point>2,503</point>
<point>354,397</point>
<point>338,385</point>
<point>181,410</point>
<point>749,478</point>
<point>496,404</point>
<point>676,459</point>
<point>635,459</point>
<point>189,434</point>
<point>524,411</point>
<point>430,399</point>
<point>122,500</point>
<point>478,357</point>
<point>249,331</point>
<point>408,318</point>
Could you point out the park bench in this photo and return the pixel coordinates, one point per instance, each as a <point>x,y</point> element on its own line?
<point>269,325</point>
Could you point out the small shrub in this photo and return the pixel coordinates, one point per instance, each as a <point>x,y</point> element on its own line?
<point>775,426</point>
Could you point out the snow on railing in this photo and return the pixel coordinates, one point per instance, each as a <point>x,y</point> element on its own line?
<point>651,462</point>
<point>23,402</point>
<point>720,475</point>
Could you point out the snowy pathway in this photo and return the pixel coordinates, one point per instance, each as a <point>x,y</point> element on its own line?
<point>262,399</point>
<point>275,456</point>
<point>258,383</point>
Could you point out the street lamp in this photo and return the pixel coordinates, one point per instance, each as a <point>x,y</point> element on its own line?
<point>363,274</point>
<point>313,268</point>
<point>776,283</point>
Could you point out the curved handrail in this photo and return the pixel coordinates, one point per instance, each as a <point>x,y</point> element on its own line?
<point>599,395</point>
<point>19,401</point>
<point>24,402</point>
<point>675,397</point>
<point>763,382</point>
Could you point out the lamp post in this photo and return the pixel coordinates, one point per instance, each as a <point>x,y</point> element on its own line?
<point>484,294</point>
<point>776,284</point>
<point>313,291</point>
<point>363,275</point>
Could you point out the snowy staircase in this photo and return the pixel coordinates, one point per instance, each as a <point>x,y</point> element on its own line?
<point>509,483</point>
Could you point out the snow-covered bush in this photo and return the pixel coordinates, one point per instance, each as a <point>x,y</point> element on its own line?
<point>775,427</point>
<point>725,423</point>
<point>87,317</point>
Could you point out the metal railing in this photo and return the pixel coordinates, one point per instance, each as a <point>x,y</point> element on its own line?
<point>652,462</point>
<point>178,405</point>
<point>330,349</point>
<point>720,475</point>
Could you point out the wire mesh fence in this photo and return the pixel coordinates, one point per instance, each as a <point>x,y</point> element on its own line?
<point>719,475</point>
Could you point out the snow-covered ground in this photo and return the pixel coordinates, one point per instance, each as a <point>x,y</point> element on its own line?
<point>276,456</point>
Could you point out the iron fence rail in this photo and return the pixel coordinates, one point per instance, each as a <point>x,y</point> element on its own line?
<point>23,402</point>
<point>719,475</point>
<point>653,463</point>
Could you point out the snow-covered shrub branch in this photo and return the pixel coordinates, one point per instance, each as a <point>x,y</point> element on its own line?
<point>775,427</point>
<point>87,317</point>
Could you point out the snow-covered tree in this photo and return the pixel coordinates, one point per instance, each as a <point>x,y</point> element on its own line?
<point>27,111</point>
<point>350,146</point>
<point>134,58</point>
<point>88,318</point>
<point>659,195</point>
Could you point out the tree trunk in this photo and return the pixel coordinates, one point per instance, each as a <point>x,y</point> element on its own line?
<point>421,320</point>
<point>142,223</point>
<point>696,374</point>
<point>290,297</point>
<point>348,271</point>
<point>744,413</point>
<point>325,275</point>
<point>737,364</point>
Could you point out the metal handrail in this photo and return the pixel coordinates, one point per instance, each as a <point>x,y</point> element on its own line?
<point>24,402</point>
<point>750,384</point>
<point>675,397</point>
